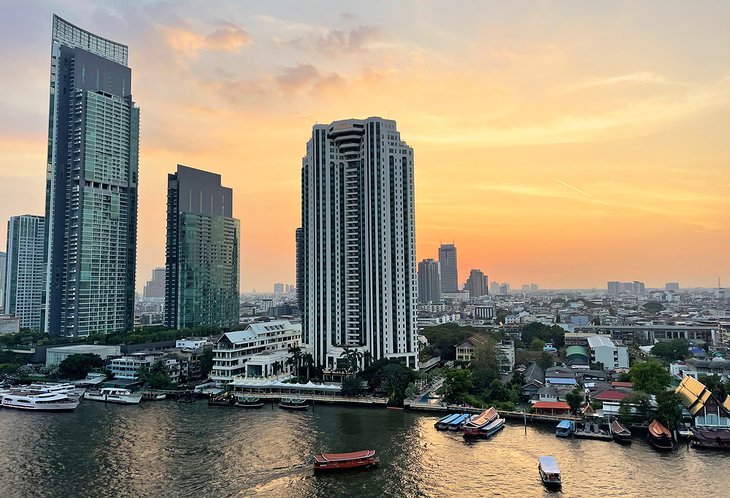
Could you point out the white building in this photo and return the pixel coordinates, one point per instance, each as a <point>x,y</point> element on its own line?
<point>191,343</point>
<point>24,270</point>
<point>129,367</point>
<point>357,254</point>
<point>604,350</point>
<point>484,312</point>
<point>234,349</point>
<point>506,355</point>
<point>56,355</point>
<point>9,324</point>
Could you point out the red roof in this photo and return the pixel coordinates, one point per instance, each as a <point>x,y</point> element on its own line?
<point>558,405</point>
<point>610,395</point>
<point>339,457</point>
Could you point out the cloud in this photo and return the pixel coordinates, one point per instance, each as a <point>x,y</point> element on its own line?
<point>337,41</point>
<point>305,77</point>
<point>227,37</point>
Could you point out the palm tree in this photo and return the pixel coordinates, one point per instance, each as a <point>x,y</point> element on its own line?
<point>295,358</point>
<point>353,357</point>
<point>308,360</point>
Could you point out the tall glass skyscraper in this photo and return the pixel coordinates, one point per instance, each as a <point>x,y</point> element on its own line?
<point>357,251</point>
<point>429,281</point>
<point>91,186</point>
<point>449,269</point>
<point>202,253</point>
<point>24,271</point>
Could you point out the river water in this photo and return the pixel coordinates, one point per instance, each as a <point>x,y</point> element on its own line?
<point>169,449</point>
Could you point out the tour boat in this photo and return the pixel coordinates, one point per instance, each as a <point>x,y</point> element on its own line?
<point>565,428</point>
<point>476,424</point>
<point>443,423</point>
<point>225,399</point>
<point>68,389</point>
<point>493,427</point>
<point>249,402</point>
<point>550,472</point>
<point>620,433</point>
<point>711,439</point>
<point>340,461</point>
<point>114,395</point>
<point>293,404</point>
<point>660,437</point>
<point>39,401</point>
<point>459,422</point>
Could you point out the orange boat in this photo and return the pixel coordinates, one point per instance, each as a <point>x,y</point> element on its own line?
<point>474,427</point>
<point>660,437</point>
<point>339,461</point>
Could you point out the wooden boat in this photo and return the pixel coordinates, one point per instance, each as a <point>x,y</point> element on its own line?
<point>550,472</point>
<point>293,404</point>
<point>620,433</point>
<point>341,461</point>
<point>660,437</point>
<point>443,423</point>
<point>565,428</point>
<point>476,424</point>
<point>249,402</point>
<point>711,439</point>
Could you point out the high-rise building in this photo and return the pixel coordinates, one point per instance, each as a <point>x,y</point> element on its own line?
<point>671,286</point>
<point>477,284</point>
<point>634,288</point>
<point>614,288</point>
<point>202,252</point>
<point>429,282</point>
<point>494,288</point>
<point>154,289</point>
<point>2,282</point>
<point>24,269</point>
<point>278,288</point>
<point>91,186</point>
<point>357,255</point>
<point>298,238</point>
<point>448,267</point>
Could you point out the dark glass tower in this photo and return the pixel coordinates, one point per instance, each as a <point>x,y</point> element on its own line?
<point>202,253</point>
<point>91,186</point>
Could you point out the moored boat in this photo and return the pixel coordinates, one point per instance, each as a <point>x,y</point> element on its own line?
<point>340,461</point>
<point>550,472</point>
<point>293,404</point>
<point>660,437</point>
<point>225,399</point>
<point>249,402</point>
<point>476,424</point>
<point>620,433</point>
<point>443,423</point>
<point>459,422</point>
<point>114,395</point>
<point>711,439</point>
<point>493,427</point>
<point>565,428</point>
<point>39,401</point>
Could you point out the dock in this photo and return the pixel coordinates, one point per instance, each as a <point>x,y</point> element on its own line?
<point>598,436</point>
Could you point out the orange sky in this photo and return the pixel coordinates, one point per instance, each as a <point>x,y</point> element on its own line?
<point>563,144</point>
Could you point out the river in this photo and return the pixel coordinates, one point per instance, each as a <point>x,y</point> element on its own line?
<point>170,449</point>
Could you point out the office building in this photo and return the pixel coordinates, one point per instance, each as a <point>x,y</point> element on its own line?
<point>202,252</point>
<point>477,284</point>
<point>448,267</point>
<point>671,286</point>
<point>2,281</point>
<point>429,282</point>
<point>358,242</point>
<point>634,288</point>
<point>278,288</point>
<point>154,289</point>
<point>91,186</point>
<point>24,270</point>
<point>298,237</point>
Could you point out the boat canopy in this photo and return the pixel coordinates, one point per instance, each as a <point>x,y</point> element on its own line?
<point>549,465</point>
<point>275,384</point>
<point>343,457</point>
<point>449,418</point>
<point>565,424</point>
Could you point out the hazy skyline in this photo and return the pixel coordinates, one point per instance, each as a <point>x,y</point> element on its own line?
<point>565,144</point>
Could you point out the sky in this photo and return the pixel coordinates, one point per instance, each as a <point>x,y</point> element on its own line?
<point>562,143</point>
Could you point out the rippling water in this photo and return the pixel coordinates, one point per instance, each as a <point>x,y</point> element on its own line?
<point>169,449</point>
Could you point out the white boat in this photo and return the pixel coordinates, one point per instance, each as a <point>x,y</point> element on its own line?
<point>39,401</point>
<point>114,395</point>
<point>67,389</point>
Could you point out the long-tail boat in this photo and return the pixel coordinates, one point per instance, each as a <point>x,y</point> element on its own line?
<point>340,461</point>
<point>620,433</point>
<point>660,437</point>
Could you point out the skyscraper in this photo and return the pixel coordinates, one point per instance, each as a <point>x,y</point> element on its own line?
<point>449,270</point>
<point>429,281</point>
<point>202,251</point>
<point>154,289</point>
<point>91,186</point>
<point>2,281</point>
<point>24,269</point>
<point>298,238</point>
<point>358,242</point>
<point>477,284</point>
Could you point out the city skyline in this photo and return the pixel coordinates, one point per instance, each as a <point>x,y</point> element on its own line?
<point>634,148</point>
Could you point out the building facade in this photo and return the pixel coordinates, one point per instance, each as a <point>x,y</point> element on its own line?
<point>91,186</point>
<point>24,270</point>
<point>358,285</point>
<point>2,282</point>
<point>154,289</point>
<point>202,251</point>
<point>449,269</point>
<point>477,284</point>
<point>603,350</point>
<point>429,282</point>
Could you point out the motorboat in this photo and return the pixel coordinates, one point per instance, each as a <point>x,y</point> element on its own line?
<point>565,428</point>
<point>249,402</point>
<point>476,424</point>
<point>493,427</point>
<point>620,433</point>
<point>660,437</point>
<point>39,401</point>
<point>443,423</point>
<point>114,395</point>
<point>459,422</point>
<point>550,472</point>
<point>293,404</point>
<point>63,388</point>
<point>341,461</point>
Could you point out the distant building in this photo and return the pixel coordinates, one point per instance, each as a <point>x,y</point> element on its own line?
<point>477,284</point>
<point>465,350</point>
<point>494,288</point>
<point>603,350</point>
<point>154,289</point>
<point>278,288</point>
<point>534,288</point>
<point>634,288</point>
<point>449,268</point>
<point>2,282</point>
<point>56,355</point>
<point>9,324</point>
<point>429,282</point>
<point>24,274</point>
<point>298,238</point>
<point>484,312</point>
<point>671,286</point>
<point>506,355</point>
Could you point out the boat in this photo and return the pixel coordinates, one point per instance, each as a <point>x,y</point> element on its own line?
<point>684,432</point>
<point>39,401</point>
<point>474,426</point>
<point>620,433</point>
<point>565,428</point>
<point>152,396</point>
<point>249,402</point>
<point>443,423</point>
<point>550,472</point>
<point>660,437</point>
<point>493,427</point>
<point>711,439</point>
<point>114,395</point>
<point>459,422</point>
<point>70,390</point>
<point>293,404</point>
<point>225,399</point>
<point>340,461</point>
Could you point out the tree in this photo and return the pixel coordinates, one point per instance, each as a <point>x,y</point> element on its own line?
<point>545,360</point>
<point>500,392</point>
<point>518,379</point>
<point>676,349</point>
<point>669,410</point>
<point>650,377</point>
<point>575,399</point>
<point>635,404</point>
<point>308,361</point>
<point>484,364</point>
<point>156,376</point>
<point>715,384</point>
<point>351,386</point>
<point>537,344</point>
<point>395,379</point>
<point>353,357</point>
<point>457,385</point>
<point>77,366</point>
<point>653,307</point>
<point>294,359</point>
<point>206,362</point>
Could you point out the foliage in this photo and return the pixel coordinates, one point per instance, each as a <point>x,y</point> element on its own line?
<point>546,333</point>
<point>624,377</point>
<point>457,384</point>
<point>518,379</point>
<point>669,410</point>
<point>206,362</point>
<point>676,349</point>
<point>715,384</point>
<point>537,344</point>
<point>394,380</point>
<point>545,360</point>
<point>499,392</point>
<point>353,357</point>
<point>351,386</point>
<point>653,307</point>
<point>294,359</point>
<point>575,399</point>
<point>156,376</point>
<point>444,338</point>
<point>77,366</point>
<point>650,377</point>
<point>635,404</point>
<point>484,364</point>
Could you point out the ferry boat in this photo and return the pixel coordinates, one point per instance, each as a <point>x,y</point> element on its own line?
<point>493,427</point>
<point>443,423</point>
<point>39,401</point>
<point>660,437</point>
<point>565,428</point>
<point>340,461</point>
<point>225,399</point>
<point>620,433</point>
<point>550,472</point>
<point>711,439</point>
<point>293,404</point>
<point>475,425</point>
<point>114,395</point>
<point>249,402</point>
<point>459,422</point>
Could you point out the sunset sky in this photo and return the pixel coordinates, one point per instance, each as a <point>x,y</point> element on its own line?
<point>562,143</point>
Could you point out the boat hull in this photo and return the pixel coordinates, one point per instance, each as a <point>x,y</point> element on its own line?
<point>59,407</point>
<point>301,407</point>
<point>350,465</point>
<point>119,400</point>
<point>660,444</point>
<point>250,405</point>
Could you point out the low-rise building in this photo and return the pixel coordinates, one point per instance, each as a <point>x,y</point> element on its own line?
<point>604,351</point>
<point>9,324</point>
<point>57,354</point>
<point>506,355</point>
